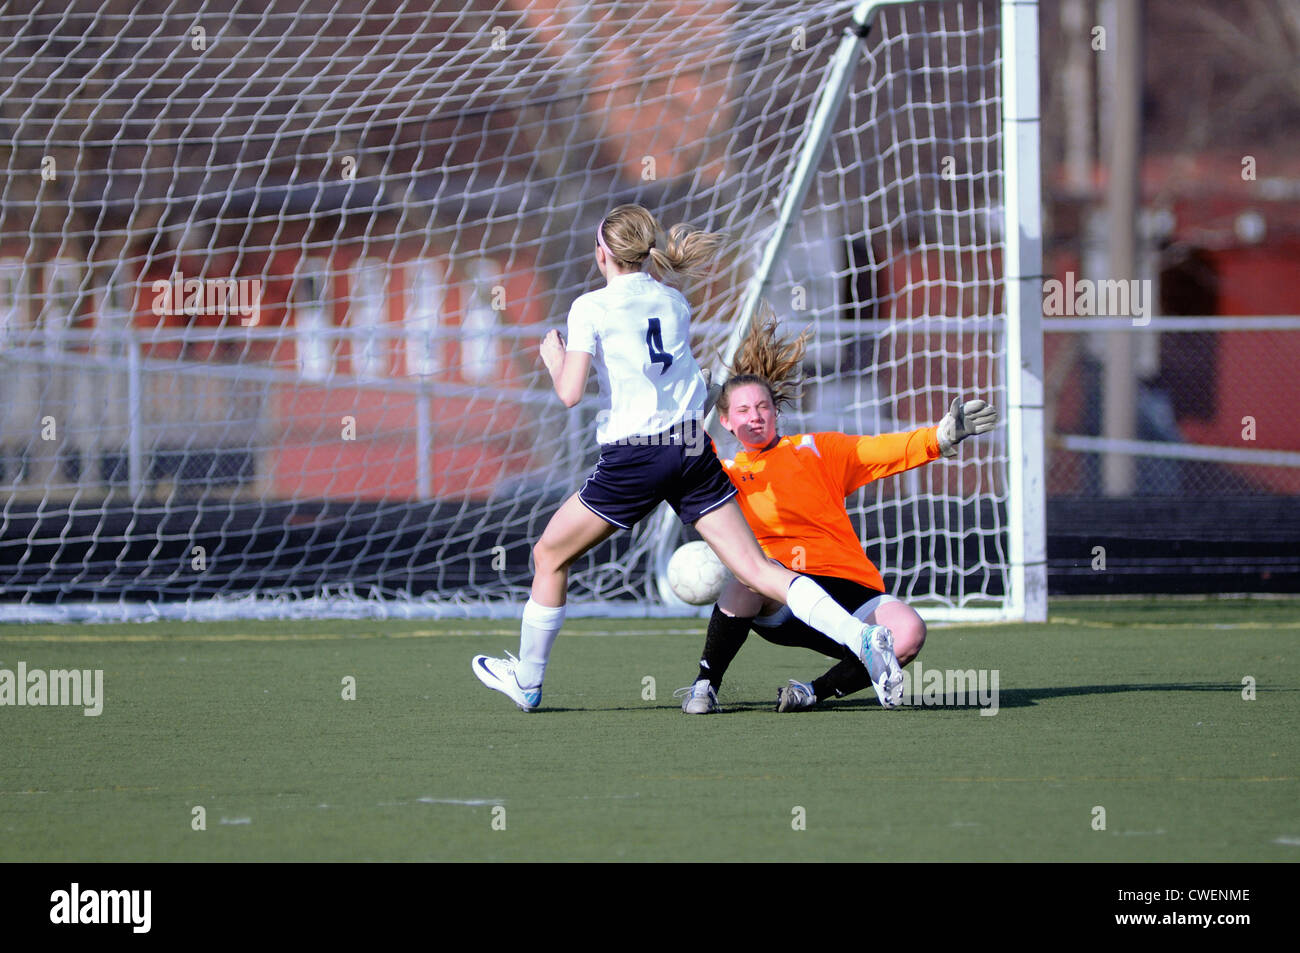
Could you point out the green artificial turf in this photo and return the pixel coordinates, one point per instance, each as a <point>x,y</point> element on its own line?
<point>1136,708</point>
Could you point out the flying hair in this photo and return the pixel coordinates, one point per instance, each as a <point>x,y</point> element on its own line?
<point>767,359</point>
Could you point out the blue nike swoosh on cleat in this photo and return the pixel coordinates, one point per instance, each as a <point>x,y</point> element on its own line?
<point>533,697</point>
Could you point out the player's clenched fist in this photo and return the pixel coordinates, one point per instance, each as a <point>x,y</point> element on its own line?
<point>553,351</point>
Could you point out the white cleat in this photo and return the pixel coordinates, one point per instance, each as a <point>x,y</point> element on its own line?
<point>501,674</point>
<point>797,696</point>
<point>882,665</point>
<point>700,698</point>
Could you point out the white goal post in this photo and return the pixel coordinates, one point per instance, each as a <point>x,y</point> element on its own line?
<point>1026,593</point>
<point>272,285</point>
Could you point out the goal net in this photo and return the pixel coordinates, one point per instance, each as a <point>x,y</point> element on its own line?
<point>272,283</point>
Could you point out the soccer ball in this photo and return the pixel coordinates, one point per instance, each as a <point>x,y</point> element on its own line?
<point>696,575</point>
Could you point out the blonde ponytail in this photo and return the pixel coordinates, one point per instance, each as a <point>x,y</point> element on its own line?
<point>633,238</point>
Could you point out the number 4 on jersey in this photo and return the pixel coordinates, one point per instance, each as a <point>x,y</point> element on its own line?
<point>654,340</point>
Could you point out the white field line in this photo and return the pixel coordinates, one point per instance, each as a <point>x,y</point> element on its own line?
<point>1217,626</point>
<point>590,633</point>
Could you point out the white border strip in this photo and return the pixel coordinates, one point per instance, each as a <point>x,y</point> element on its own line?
<point>1210,322</point>
<point>1179,451</point>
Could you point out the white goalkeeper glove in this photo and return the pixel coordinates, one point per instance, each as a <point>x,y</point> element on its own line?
<point>962,421</point>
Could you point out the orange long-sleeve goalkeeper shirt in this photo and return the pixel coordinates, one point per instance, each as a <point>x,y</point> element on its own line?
<point>793,495</point>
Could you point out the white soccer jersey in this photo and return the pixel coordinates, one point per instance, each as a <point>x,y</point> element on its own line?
<point>638,333</point>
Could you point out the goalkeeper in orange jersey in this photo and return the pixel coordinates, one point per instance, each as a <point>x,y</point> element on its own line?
<point>792,490</point>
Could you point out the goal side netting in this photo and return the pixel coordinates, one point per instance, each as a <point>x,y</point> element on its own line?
<point>273,280</point>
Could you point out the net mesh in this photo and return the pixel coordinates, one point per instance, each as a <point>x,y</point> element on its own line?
<point>273,277</point>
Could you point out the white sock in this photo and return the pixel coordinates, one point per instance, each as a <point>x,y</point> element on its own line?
<point>537,634</point>
<point>811,604</point>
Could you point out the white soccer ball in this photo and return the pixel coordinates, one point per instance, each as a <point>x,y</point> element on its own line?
<point>696,575</point>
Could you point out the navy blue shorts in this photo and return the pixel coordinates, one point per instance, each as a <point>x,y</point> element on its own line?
<point>634,476</point>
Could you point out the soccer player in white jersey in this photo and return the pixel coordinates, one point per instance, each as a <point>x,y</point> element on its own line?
<point>653,448</point>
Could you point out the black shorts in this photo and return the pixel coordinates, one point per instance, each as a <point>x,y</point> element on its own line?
<point>679,465</point>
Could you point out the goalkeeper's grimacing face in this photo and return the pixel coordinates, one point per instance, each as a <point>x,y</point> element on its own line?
<point>750,416</point>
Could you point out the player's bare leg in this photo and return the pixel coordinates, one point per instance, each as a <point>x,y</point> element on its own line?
<point>907,626</point>
<point>726,531</point>
<point>740,602</point>
<point>728,535</point>
<point>847,676</point>
<point>572,531</point>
